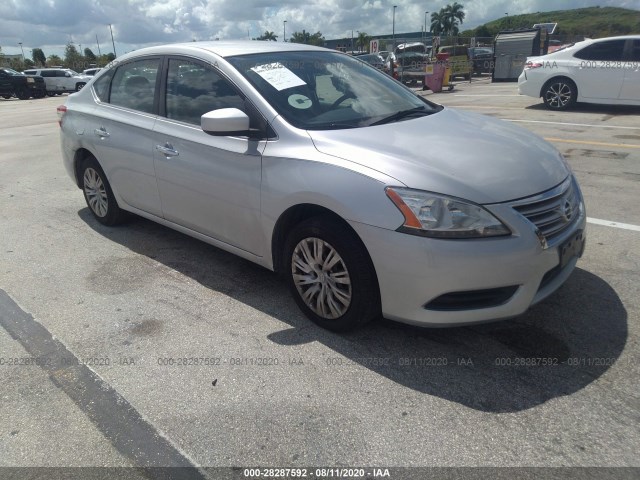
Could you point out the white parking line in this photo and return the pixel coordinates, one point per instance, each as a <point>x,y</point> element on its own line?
<point>482,95</point>
<point>573,124</point>
<point>607,223</point>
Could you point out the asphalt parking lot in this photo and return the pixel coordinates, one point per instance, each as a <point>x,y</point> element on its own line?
<point>155,349</point>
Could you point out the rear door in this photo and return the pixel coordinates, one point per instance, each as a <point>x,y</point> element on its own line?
<point>121,129</point>
<point>630,90</point>
<point>598,70</point>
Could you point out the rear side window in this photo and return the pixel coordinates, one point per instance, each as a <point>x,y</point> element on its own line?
<point>604,51</point>
<point>30,72</point>
<point>634,54</point>
<point>194,89</point>
<point>134,85</point>
<point>48,73</point>
<point>101,86</point>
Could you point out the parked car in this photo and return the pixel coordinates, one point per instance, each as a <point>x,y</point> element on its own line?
<point>482,60</point>
<point>458,60</point>
<point>22,86</point>
<point>374,60</point>
<point>60,80</point>
<point>605,71</point>
<point>91,71</point>
<point>368,199</point>
<point>411,67</point>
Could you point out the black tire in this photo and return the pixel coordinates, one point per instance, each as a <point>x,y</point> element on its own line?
<point>23,94</point>
<point>98,194</point>
<point>6,97</point>
<point>357,285</point>
<point>51,94</point>
<point>559,94</point>
<point>79,86</point>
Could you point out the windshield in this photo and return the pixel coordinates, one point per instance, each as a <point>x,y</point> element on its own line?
<point>11,71</point>
<point>327,90</point>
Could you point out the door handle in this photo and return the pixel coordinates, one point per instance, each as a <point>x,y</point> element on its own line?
<point>101,132</point>
<point>167,150</point>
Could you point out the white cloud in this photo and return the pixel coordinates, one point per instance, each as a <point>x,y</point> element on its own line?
<point>50,24</point>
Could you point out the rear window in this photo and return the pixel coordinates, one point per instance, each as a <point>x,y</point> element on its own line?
<point>604,51</point>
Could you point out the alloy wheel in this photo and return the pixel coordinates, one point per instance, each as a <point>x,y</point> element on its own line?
<point>321,278</point>
<point>558,95</point>
<point>96,192</point>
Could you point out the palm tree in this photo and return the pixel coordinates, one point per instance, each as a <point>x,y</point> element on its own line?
<point>267,35</point>
<point>454,14</point>
<point>363,41</point>
<point>439,22</point>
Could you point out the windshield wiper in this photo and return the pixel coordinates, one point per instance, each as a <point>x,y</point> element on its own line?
<point>419,111</point>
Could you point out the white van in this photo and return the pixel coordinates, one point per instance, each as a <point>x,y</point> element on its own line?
<point>60,80</point>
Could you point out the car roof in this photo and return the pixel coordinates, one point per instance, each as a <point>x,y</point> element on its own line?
<point>225,48</point>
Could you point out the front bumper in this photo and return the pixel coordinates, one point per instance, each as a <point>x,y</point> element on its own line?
<point>414,272</point>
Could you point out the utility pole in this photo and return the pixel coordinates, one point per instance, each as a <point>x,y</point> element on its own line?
<point>112,42</point>
<point>425,26</point>
<point>393,48</point>
<point>20,43</point>
<point>284,31</point>
<point>99,54</point>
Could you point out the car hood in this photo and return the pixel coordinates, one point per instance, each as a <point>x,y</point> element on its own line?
<point>452,152</point>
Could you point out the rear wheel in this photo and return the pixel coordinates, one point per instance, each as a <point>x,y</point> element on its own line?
<point>331,275</point>
<point>6,97</point>
<point>98,194</point>
<point>559,94</point>
<point>79,86</point>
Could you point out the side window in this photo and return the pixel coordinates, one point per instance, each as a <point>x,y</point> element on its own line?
<point>60,73</point>
<point>634,54</point>
<point>48,73</point>
<point>101,86</point>
<point>134,85</point>
<point>29,72</point>
<point>610,51</point>
<point>194,89</point>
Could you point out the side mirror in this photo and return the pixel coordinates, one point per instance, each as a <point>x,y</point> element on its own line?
<point>225,121</point>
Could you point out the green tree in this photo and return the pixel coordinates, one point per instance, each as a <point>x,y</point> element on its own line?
<point>28,63</point>
<point>104,59</point>
<point>455,14</point>
<point>439,22</point>
<point>72,58</point>
<point>307,38</point>
<point>38,57</point>
<point>54,61</point>
<point>363,41</point>
<point>89,55</point>
<point>267,35</point>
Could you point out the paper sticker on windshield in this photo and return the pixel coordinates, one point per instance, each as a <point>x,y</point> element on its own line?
<point>279,76</point>
<point>299,101</point>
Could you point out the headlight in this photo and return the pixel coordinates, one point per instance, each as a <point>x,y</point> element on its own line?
<point>30,80</point>
<point>433,215</point>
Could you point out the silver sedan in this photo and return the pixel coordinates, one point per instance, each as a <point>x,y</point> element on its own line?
<point>368,199</point>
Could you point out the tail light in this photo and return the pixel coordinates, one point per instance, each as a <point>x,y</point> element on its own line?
<point>532,65</point>
<point>61,111</point>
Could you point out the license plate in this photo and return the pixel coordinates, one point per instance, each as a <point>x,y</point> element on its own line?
<point>571,248</point>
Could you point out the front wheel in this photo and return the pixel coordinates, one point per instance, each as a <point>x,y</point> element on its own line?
<point>6,97</point>
<point>559,94</point>
<point>23,94</point>
<point>98,194</point>
<point>331,275</point>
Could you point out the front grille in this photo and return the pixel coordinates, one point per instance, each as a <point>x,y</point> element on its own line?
<point>553,212</point>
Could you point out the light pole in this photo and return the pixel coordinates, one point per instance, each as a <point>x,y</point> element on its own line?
<point>20,43</point>
<point>507,15</point>
<point>425,25</point>
<point>393,48</point>
<point>99,54</point>
<point>351,41</point>
<point>284,31</point>
<point>112,42</point>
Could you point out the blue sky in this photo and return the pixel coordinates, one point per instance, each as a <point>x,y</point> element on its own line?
<point>50,24</point>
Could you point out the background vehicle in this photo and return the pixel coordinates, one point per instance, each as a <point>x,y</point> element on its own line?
<point>22,86</point>
<point>91,71</point>
<point>60,80</point>
<point>276,153</point>
<point>458,60</point>
<point>481,60</point>
<point>605,71</point>
<point>374,60</point>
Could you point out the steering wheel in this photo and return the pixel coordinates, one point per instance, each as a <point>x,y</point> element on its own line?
<point>344,97</point>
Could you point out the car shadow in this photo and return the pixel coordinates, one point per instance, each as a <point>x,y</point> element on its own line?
<point>614,110</point>
<point>557,348</point>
